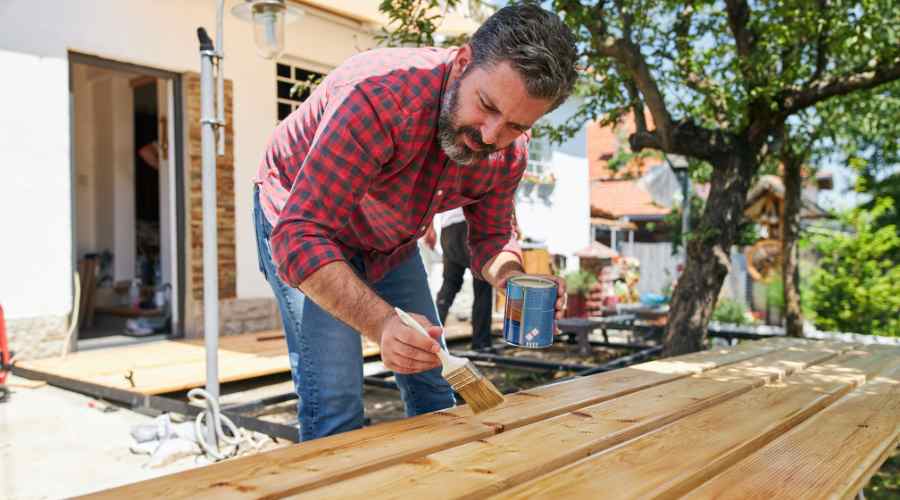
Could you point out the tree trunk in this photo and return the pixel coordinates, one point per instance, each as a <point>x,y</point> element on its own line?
<point>793,316</point>
<point>708,253</point>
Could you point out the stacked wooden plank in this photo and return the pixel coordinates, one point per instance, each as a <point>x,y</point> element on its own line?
<point>777,418</point>
<point>178,365</point>
<point>167,366</point>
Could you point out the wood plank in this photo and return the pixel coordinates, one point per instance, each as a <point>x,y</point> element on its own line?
<point>169,366</point>
<point>490,465</point>
<point>115,360</point>
<point>307,465</point>
<point>677,458</point>
<point>864,427</point>
<point>178,377</point>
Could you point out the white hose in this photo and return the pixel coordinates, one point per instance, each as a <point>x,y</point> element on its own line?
<point>213,412</point>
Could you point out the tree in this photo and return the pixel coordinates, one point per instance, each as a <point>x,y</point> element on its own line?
<point>866,139</point>
<point>855,129</point>
<point>720,80</point>
<point>857,284</point>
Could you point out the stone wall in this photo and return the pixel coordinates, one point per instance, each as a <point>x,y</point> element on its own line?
<point>239,316</point>
<point>34,338</point>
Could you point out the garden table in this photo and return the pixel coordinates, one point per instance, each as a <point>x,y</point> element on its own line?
<point>774,418</point>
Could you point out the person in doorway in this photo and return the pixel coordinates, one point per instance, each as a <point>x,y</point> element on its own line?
<point>352,179</point>
<point>456,258</point>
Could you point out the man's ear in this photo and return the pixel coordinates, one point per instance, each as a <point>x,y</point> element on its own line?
<point>463,60</point>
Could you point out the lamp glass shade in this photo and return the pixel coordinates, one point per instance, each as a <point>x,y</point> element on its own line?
<point>268,29</point>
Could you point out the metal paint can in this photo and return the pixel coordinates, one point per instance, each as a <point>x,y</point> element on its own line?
<point>529,319</point>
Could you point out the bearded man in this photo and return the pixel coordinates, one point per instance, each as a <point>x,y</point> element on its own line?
<point>352,179</point>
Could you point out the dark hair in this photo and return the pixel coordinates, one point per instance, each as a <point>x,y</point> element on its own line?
<point>536,43</point>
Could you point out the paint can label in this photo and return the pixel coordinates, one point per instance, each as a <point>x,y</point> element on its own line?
<point>530,309</point>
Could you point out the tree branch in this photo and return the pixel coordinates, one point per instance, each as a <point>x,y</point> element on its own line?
<point>637,105</point>
<point>821,46</point>
<point>628,54</point>
<point>685,54</point>
<point>738,18</point>
<point>796,98</point>
<point>687,139</point>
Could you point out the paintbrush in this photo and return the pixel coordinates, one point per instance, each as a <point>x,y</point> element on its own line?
<point>461,374</point>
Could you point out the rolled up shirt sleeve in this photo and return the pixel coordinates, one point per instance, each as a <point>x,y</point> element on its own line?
<point>350,147</point>
<point>491,218</point>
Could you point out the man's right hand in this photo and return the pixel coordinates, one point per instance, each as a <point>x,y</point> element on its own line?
<point>404,350</point>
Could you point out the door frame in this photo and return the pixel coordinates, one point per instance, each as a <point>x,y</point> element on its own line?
<point>177,124</point>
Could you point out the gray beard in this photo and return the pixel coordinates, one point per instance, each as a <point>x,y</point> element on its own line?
<point>448,134</point>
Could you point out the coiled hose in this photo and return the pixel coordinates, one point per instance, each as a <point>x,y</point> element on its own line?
<point>201,427</point>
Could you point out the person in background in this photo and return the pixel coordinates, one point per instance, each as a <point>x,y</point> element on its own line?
<point>455,249</point>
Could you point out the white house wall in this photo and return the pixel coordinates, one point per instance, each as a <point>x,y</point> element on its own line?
<point>35,189</point>
<point>35,178</point>
<point>563,220</point>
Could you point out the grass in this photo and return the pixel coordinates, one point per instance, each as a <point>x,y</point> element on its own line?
<point>885,484</point>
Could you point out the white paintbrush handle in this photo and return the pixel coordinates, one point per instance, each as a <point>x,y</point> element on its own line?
<point>412,323</point>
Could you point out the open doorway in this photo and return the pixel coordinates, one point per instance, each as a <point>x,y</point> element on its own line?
<point>127,200</point>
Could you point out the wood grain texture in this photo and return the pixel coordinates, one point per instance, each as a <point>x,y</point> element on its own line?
<point>167,366</point>
<point>308,465</point>
<point>491,465</point>
<point>177,365</point>
<point>678,458</point>
<point>831,455</point>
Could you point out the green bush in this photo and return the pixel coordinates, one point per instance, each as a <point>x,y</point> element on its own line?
<point>731,311</point>
<point>856,287</point>
<point>579,281</point>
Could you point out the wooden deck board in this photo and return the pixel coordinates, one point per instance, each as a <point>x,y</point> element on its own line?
<point>497,463</point>
<point>674,460</point>
<point>177,365</point>
<point>864,426</point>
<point>336,458</point>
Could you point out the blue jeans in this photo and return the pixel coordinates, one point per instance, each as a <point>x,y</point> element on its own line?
<point>326,354</point>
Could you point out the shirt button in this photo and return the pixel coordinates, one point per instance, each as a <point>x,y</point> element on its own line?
<point>440,192</point>
<point>423,228</point>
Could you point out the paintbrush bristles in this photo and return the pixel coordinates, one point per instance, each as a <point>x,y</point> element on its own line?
<point>460,373</point>
<point>479,392</point>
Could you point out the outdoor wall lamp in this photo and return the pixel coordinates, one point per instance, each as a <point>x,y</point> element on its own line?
<point>268,18</point>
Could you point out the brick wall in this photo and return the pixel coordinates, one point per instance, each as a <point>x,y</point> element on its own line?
<point>224,195</point>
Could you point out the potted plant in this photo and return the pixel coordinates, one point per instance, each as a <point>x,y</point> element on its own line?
<point>578,283</point>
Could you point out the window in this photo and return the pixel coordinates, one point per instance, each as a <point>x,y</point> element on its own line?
<point>538,178</point>
<point>539,155</point>
<point>287,77</point>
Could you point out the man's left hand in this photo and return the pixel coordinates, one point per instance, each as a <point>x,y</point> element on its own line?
<point>560,289</point>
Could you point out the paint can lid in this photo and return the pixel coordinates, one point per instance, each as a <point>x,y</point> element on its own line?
<point>533,282</point>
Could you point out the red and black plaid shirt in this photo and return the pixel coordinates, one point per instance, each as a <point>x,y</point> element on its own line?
<point>357,170</point>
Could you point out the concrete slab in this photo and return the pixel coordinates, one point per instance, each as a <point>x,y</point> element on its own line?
<point>53,444</point>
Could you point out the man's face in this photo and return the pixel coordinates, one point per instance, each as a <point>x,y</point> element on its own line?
<point>484,109</point>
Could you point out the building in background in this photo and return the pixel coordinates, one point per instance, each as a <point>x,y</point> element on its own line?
<point>553,199</point>
<point>100,143</point>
